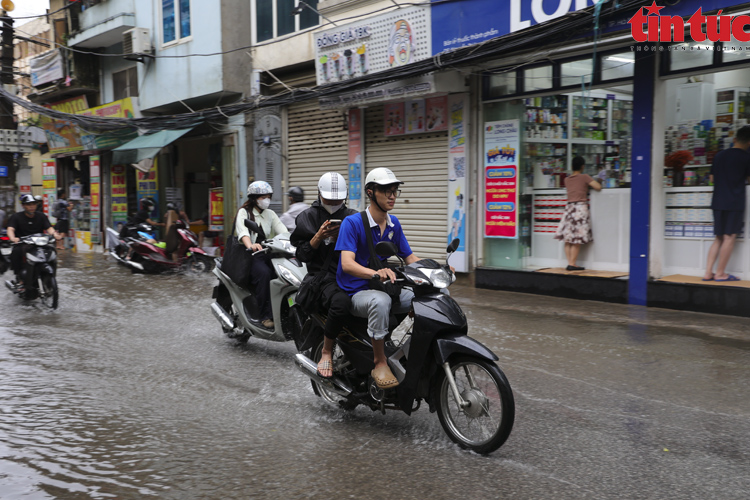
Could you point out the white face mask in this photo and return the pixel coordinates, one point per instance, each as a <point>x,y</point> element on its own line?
<point>332,209</point>
<point>264,203</point>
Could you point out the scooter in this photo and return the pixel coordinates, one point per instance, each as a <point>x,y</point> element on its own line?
<point>434,360</point>
<point>39,270</point>
<point>236,308</point>
<point>118,243</point>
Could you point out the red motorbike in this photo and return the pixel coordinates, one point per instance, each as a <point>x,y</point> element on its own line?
<point>180,252</point>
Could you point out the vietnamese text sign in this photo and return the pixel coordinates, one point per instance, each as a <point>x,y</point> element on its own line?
<point>49,187</point>
<point>119,195</point>
<point>216,214</point>
<point>501,179</point>
<point>457,193</point>
<point>95,186</point>
<point>355,159</point>
<point>147,185</point>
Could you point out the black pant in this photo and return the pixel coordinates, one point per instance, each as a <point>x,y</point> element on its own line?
<point>338,304</point>
<point>261,273</point>
<point>16,258</point>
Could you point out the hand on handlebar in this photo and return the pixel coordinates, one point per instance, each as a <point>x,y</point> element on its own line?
<point>386,275</point>
<point>254,247</point>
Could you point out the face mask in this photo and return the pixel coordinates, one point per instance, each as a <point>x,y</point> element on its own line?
<point>332,209</point>
<point>264,203</point>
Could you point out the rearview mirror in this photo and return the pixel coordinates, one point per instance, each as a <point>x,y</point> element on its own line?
<point>386,249</point>
<point>252,226</point>
<point>453,246</point>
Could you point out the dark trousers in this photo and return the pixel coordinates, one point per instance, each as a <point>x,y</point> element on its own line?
<point>16,258</point>
<point>260,278</point>
<point>338,304</point>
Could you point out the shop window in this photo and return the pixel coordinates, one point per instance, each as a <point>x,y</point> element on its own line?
<point>690,55</point>
<point>125,84</point>
<point>175,20</point>
<point>275,18</point>
<point>617,66</point>
<point>735,52</point>
<point>502,84</point>
<point>539,78</point>
<point>576,72</point>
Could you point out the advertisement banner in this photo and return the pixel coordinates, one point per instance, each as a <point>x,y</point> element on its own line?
<point>355,159</point>
<point>501,179</point>
<point>63,136</point>
<point>393,116</point>
<point>414,116</point>
<point>49,188</point>
<point>216,211</point>
<point>48,67</point>
<point>95,186</point>
<point>458,198</point>
<point>147,186</point>
<point>436,114</point>
<point>119,184</point>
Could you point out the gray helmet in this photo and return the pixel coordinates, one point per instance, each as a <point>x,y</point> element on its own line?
<point>297,194</point>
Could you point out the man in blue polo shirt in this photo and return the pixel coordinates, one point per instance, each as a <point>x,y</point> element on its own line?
<point>354,276</point>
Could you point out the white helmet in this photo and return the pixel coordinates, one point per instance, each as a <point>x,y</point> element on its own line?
<point>382,176</point>
<point>332,186</point>
<point>259,188</point>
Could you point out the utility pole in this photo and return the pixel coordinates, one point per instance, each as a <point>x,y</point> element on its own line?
<point>7,121</point>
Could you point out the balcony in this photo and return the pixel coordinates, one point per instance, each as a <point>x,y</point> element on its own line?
<point>102,24</point>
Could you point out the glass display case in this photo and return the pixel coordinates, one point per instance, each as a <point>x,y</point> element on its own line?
<point>546,117</point>
<point>547,161</point>
<point>81,214</point>
<point>590,116</point>
<point>732,104</point>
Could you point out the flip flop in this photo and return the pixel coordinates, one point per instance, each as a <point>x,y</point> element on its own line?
<point>708,279</point>
<point>324,365</point>
<point>729,278</point>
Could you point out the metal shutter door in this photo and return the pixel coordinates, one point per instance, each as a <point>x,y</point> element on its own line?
<point>317,143</point>
<point>421,161</point>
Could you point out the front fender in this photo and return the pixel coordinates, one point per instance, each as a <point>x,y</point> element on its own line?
<point>448,345</point>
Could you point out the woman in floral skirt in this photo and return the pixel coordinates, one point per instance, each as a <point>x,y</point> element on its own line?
<point>575,226</point>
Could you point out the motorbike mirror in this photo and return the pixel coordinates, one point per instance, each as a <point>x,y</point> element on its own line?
<point>252,225</point>
<point>453,246</point>
<point>386,249</point>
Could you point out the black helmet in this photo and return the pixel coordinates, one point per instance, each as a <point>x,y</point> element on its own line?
<point>147,204</point>
<point>146,228</point>
<point>297,194</point>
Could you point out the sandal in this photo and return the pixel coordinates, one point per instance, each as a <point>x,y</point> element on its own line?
<point>384,378</point>
<point>325,365</point>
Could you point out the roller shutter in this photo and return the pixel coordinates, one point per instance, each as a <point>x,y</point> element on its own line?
<point>421,161</point>
<point>317,143</point>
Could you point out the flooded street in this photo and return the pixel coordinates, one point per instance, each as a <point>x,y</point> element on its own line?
<point>130,390</point>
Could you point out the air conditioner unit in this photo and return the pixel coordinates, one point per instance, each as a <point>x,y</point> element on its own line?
<point>136,41</point>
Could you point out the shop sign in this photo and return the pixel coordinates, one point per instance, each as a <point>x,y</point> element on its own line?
<point>3,171</point>
<point>216,209</point>
<point>719,28</point>
<point>119,195</point>
<point>95,187</point>
<point>49,188</point>
<point>355,159</point>
<point>385,41</point>
<point>457,192</point>
<point>123,108</point>
<point>63,136</point>
<point>501,141</point>
<point>46,68</point>
<point>422,86</point>
<point>147,186</point>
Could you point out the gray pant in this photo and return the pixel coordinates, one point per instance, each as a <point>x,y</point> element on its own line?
<point>376,307</point>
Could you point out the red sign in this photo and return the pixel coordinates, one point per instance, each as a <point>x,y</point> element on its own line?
<point>216,215</point>
<point>501,214</point>
<point>666,28</point>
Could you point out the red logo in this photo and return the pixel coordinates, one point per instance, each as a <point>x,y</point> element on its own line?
<point>665,28</point>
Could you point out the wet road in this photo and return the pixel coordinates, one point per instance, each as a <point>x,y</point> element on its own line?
<point>130,390</point>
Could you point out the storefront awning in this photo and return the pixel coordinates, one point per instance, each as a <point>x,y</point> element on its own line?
<point>146,146</point>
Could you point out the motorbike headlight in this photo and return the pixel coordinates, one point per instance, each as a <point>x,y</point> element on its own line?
<point>289,276</point>
<point>40,241</point>
<point>440,278</point>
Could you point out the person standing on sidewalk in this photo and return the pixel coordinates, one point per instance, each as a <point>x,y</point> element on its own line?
<point>729,172</point>
<point>62,213</point>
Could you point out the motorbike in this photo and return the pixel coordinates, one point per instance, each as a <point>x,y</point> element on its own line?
<point>434,360</point>
<point>236,307</point>
<point>150,258</point>
<point>39,270</point>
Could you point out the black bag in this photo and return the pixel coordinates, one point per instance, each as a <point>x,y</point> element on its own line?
<point>309,292</point>
<point>393,290</point>
<point>237,260</point>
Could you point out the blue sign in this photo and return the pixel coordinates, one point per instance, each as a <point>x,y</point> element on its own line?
<point>3,171</point>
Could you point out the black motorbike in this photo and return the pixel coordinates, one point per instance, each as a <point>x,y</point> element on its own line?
<point>435,361</point>
<point>39,270</point>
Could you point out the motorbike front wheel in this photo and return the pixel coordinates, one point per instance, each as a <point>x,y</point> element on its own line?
<point>49,295</point>
<point>200,264</point>
<point>485,423</point>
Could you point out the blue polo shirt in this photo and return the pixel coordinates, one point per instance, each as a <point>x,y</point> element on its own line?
<point>352,238</point>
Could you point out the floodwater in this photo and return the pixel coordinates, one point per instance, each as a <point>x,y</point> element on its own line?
<point>129,390</point>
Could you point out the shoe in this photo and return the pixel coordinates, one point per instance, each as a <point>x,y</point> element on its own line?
<point>384,378</point>
<point>268,323</point>
<point>574,268</point>
<point>729,277</point>
<point>325,365</point>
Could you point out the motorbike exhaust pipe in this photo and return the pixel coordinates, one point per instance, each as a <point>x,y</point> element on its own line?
<point>309,368</point>
<point>222,316</point>
<point>136,265</point>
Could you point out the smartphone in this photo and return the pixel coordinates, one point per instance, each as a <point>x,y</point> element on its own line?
<point>334,221</point>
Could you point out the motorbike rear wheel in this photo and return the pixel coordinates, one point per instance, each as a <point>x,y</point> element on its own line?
<point>200,264</point>
<point>49,295</point>
<point>485,424</point>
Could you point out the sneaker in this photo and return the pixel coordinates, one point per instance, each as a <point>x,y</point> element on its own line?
<point>268,323</point>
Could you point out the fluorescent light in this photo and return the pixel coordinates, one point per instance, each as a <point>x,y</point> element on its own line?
<point>620,59</point>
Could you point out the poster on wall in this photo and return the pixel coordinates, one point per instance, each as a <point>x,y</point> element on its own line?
<point>501,179</point>
<point>355,159</point>
<point>96,208</point>
<point>393,114</point>
<point>49,188</point>
<point>147,185</point>
<point>118,181</point>
<point>415,116</point>
<point>216,210</point>
<point>436,114</point>
<point>457,193</point>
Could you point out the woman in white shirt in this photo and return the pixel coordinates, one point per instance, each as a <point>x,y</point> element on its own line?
<point>261,271</point>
